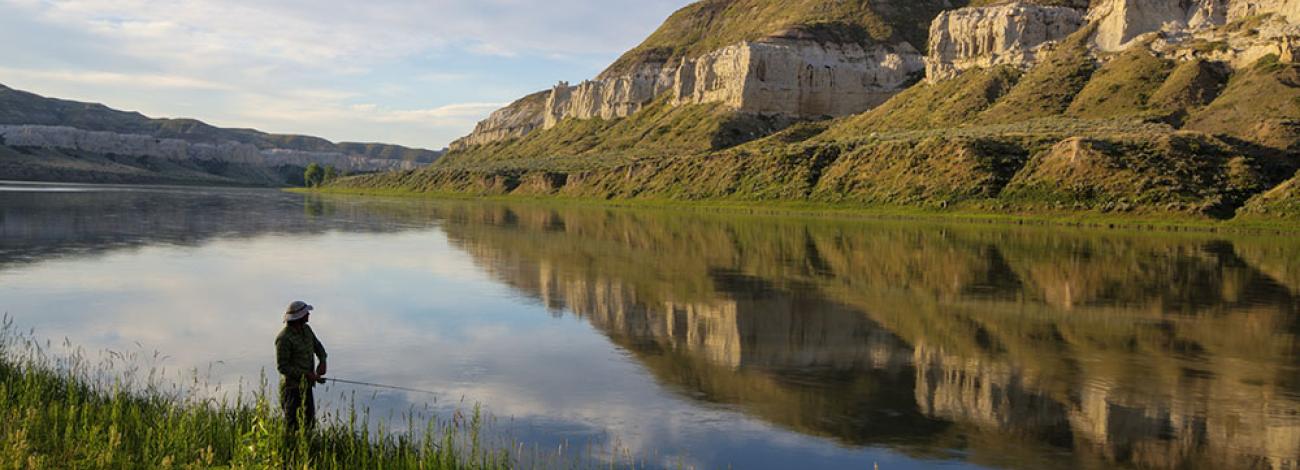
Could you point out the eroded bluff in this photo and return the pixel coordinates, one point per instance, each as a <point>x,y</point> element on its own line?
<point>796,73</point>
<point>791,73</point>
<point>1009,34</point>
<point>1234,32</point>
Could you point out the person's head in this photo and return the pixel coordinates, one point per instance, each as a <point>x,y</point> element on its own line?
<point>297,313</point>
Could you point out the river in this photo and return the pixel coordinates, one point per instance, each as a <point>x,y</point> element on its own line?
<point>695,339</point>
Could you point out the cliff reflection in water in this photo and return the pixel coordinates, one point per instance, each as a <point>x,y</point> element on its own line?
<point>1024,348</point>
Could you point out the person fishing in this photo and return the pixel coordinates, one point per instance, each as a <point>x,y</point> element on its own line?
<point>296,351</point>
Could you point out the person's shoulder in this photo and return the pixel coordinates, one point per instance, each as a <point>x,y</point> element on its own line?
<point>284,332</point>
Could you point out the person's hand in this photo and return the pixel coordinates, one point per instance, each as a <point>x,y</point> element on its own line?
<point>312,376</point>
<point>320,368</point>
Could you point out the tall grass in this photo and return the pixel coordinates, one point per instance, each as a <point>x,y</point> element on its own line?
<point>68,412</point>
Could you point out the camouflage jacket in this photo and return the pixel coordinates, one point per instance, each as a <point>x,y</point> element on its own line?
<point>296,350</point>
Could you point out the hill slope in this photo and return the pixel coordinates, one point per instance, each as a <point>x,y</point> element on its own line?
<point>60,140</point>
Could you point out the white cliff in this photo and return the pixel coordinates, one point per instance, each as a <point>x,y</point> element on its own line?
<point>792,75</point>
<point>1287,9</point>
<point>788,73</point>
<point>1008,34</point>
<point>515,120</point>
<point>1232,32</point>
<point>1120,22</point>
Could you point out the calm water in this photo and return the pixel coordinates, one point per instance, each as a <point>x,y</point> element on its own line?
<point>699,339</point>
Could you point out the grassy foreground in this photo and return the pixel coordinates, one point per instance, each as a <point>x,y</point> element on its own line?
<point>69,413</point>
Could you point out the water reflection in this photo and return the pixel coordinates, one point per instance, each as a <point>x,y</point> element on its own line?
<point>1018,348</point>
<point>1019,345</point>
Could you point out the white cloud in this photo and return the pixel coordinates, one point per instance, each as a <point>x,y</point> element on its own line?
<point>403,71</point>
<point>112,78</point>
<point>319,32</point>
<point>460,112</point>
<point>492,50</point>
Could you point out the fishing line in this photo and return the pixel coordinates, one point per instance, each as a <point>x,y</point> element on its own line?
<point>370,384</point>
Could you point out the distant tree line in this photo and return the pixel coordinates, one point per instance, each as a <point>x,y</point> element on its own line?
<point>316,175</point>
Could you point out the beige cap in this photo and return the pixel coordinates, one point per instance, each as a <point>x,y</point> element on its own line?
<point>297,310</point>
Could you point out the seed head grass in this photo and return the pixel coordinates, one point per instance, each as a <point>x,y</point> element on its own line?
<point>67,411</point>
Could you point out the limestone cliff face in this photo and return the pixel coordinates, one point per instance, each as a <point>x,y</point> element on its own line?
<point>796,76</point>
<point>1017,33</point>
<point>1289,9</point>
<point>515,120</point>
<point>68,138</point>
<point>1008,34</point>
<point>1122,21</point>
<point>788,73</point>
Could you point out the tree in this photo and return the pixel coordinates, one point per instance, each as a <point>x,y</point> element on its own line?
<point>313,176</point>
<point>330,173</point>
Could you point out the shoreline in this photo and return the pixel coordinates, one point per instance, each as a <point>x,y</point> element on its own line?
<point>963,215</point>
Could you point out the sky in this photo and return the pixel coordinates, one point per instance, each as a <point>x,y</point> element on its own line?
<point>407,72</point>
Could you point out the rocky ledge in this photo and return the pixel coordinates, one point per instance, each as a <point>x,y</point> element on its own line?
<point>100,142</point>
<point>791,73</point>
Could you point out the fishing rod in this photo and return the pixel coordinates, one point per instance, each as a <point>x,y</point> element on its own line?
<point>369,384</point>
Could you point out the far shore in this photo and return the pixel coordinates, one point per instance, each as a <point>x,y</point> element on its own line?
<point>964,213</point>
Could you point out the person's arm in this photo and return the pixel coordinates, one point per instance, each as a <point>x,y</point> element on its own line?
<point>320,354</point>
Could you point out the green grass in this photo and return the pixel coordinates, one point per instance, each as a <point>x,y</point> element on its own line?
<point>1050,87</point>
<point>1190,85</point>
<point>66,412</point>
<point>986,211</point>
<point>948,103</point>
<point>1256,97</point>
<point>658,129</point>
<point>1122,86</point>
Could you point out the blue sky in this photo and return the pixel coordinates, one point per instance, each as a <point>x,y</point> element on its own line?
<point>416,73</point>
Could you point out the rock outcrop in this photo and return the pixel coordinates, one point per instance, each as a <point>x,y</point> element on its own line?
<point>1233,32</point>
<point>790,73</point>
<point>1122,21</point>
<point>1008,34</point>
<point>513,121</point>
<point>68,138</point>
<point>1241,9</point>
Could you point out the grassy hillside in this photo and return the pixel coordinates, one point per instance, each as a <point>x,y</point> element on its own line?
<point>1050,88</point>
<point>1123,86</point>
<point>944,104</point>
<point>1260,103</point>
<point>74,166</point>
<point>1160,173</point>
<point>658,130</point>
<point>1281,202</point>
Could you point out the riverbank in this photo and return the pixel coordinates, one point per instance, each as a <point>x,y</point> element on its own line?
<point>971,212</point>
<point>69,413</point>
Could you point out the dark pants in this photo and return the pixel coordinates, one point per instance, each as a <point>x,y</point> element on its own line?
<point>298,401</point>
